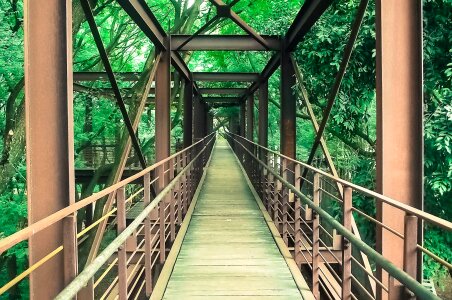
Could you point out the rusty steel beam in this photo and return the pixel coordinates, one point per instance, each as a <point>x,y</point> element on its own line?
<point>142,15</point>
<point>339,76</point>
<point>203,28</point>
<point>226,76</point>
<point>162,106</point>
<point>242,119</point>
<point>219,105</point>
<point>250,117</point>
<point>399,125</point>
<point>223,43</point>
<point>361,257</point>
<point>102,76</point>
<point>222,91</point>
<point>221,99</point>
<point>309,13</point>
<point>120,167</point>
<point>263,115</point>
<point>49,138</point>
<point>180,65</point>
<point>199,108</point>
<point>288,140</point>
<point>268,71</point>
<point>111,77</point>
<point>224,10</point>
<point>188,114</point>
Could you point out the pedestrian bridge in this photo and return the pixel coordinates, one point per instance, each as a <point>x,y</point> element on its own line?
<point>227,218</point>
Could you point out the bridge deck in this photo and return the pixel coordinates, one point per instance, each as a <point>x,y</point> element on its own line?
<point>228,250</point>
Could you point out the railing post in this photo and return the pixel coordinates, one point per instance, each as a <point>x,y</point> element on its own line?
<point>161,184</point>
<point>297,219</point>
<point>180,188</point>
<point>147,235</point>
<point>316,237</point>
<point>285,201</point>
<point>122,256</point>
<point>346,246</point>
<point>70,248</point>
<point>172,202</point>
<point>410,254</point>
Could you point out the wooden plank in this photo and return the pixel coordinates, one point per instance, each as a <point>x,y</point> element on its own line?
<point>228,250</point>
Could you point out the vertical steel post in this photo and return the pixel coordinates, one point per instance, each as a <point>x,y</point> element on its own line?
<point>250,117</point>
<point>162,135</point>
<point>399,122</point>
<point>49,134</point>
<point>147,236</point>
<point>188,113</point>
<point>199,117</point>
<point>288,107</point>
<point>316,239</point>
<point>242,119</point>
<point>263,115</point>
<point>122,254</point>
<point>346,245</point>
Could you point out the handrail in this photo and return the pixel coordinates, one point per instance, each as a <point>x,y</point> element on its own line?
<point>411,210</point>
<point>42,224</point>
<point>413,285</point>
<point>82,279</point>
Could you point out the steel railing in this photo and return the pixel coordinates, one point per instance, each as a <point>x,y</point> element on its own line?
<point>315,219</point>
<point>120,270</point>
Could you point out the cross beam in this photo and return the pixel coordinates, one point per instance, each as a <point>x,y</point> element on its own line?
<point>226,76</point>
<point>223,43</point>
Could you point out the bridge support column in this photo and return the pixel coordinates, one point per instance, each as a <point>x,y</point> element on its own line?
<point>209,123</point>
<point>188,113</point>
<point>162,133</point>
<point>49,140</point>
<point>288,139</point>
<point>263,114</point>
<point>199,119</point>
<point>399,126</point>
<point>250,117</point>
<point>242,119</point>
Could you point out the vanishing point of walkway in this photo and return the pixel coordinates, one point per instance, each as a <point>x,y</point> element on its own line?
<point>228,250</point>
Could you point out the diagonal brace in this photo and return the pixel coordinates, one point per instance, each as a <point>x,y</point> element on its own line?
<point>338,80</point>
<point>111,77</point>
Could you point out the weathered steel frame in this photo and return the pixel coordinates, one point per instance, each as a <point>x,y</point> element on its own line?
<point>49,140</point>
<point>307,16</point>
<point>111,77</point>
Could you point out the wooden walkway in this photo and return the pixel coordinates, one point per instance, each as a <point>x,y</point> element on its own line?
<point>228,250</point>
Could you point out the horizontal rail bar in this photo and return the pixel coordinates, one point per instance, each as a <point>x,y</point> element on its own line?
<point>411,210</point>
<point>412,284</point>
<point>31,230</point>
<point>82,279</point>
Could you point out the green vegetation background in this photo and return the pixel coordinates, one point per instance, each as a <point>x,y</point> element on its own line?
<point>350,133</point>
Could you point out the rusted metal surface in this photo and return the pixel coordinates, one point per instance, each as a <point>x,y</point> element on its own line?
<point>263,114</point>
<point>288,140</point>
<point>140,12</point>
<point>224,10</point>
<point>225,76</point>
<point>199,118</point>
<point>309,13</point>
<point>242,118</point>
<point>222,91</point>
<point>111,77</point>
<point>49,134</point>
<point>188,113</point>
<point>339,76</point>
<point>223,43</point>
<point>250,117</point>
<point>246,150</point>
<point>399,106</point>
